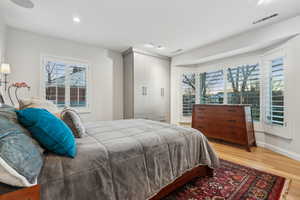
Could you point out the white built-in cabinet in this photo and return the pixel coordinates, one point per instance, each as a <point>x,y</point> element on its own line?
<point>146,86</point>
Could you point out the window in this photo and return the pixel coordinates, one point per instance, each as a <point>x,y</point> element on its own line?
<point>188,86</point>
<point>65,83</point>
<point>212,87</point>
<point>274,90</point>
<point>275,108</point>
<point>243,87</point>
<point>78,86</point>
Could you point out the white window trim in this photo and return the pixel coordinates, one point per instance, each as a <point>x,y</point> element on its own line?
<point>67,60</point>
<point>260,126</point>
<point>276,130</point>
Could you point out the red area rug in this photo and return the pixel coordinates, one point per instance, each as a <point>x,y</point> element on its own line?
<point>234,182</point>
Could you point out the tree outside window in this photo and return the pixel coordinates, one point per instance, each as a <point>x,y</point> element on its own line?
<point>188,85</point>
<point>244,87</point>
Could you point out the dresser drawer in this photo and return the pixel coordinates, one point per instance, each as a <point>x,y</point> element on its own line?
<point>205,128</point>
<point>231,122</point>
<point>235,110</point>
<point>236,135</point>
<point>219,113</point>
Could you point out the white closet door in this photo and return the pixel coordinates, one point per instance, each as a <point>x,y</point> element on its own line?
<point>159,88</point>
<point>149,79</point>
<point>143,86</point>
<point>164,90</point>
<point>139,86</point>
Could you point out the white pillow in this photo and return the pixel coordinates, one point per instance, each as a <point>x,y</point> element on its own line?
<point>38,103</point>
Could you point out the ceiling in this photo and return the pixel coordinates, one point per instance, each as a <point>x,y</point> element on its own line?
<point>117,24</point>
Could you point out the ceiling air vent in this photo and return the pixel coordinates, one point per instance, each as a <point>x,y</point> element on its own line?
<point>24,3</point>
<point>177,51</point>
<point>266,18</point>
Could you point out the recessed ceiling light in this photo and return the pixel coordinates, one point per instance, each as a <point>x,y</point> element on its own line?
<point>24,3</point>
<point>76,20</point>
<point>160,47</point>
<point>262,2</point>
<point>149,45</point>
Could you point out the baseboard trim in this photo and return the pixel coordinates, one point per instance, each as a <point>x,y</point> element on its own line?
<point>279,150</point>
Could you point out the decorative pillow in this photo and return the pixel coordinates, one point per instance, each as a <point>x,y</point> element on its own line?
<point>73,120</point>
<point>49,130</point>
<point>9,113</point>
<point>20,159</point>
<point>39,103</point>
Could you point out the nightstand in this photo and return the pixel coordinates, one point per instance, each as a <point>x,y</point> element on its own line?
<point>30,193</point>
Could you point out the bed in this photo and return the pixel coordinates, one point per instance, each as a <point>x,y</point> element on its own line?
<point>127,159</point>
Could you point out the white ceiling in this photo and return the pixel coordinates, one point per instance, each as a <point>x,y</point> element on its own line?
<point>119,24</point>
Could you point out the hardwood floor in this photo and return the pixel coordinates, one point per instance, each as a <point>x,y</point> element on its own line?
<point>265,160</point>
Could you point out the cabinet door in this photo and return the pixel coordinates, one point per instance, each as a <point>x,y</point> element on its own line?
<point>166,90</point>
<point>162,89</point>
<point>142,86</point>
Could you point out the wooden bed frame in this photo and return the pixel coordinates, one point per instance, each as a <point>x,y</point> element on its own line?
<point>200,171</point>
<point>33,192</point>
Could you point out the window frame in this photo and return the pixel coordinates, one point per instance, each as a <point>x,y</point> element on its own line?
<point>266,59</point>
<point>68,61</point>
<point>258,63</point>
<point>198,89</point>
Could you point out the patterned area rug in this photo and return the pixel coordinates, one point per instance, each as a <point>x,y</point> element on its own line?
<point>234,182</point>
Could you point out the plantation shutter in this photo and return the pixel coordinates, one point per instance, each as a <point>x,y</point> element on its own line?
<point>275,108</point>
<point>275,93</point>
<point>188,88</point>
<point>212,87</point>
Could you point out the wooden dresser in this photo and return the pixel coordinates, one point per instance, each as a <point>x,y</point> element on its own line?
<point>230,123</point>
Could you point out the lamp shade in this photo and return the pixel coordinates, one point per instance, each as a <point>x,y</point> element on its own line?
<point>5,68</point>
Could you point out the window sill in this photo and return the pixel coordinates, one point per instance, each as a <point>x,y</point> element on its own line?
<point>80,111</point>
<point>84,111</point>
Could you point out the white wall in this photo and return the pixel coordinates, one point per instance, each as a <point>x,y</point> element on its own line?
<point>289,147</point>
<point>118,102</point>
<point>24,50</point>
<point>2,47</point>
<point>261,35</point>
<point>2,39</point>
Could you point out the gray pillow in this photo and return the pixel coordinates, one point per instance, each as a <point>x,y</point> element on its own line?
<point>73,120</point>
<point>9,113</point>
<point>20,159</point>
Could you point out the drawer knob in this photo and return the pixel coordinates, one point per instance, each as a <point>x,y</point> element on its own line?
<point>231,110</point>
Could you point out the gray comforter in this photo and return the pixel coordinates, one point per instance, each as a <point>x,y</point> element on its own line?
<point>128,159</point>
